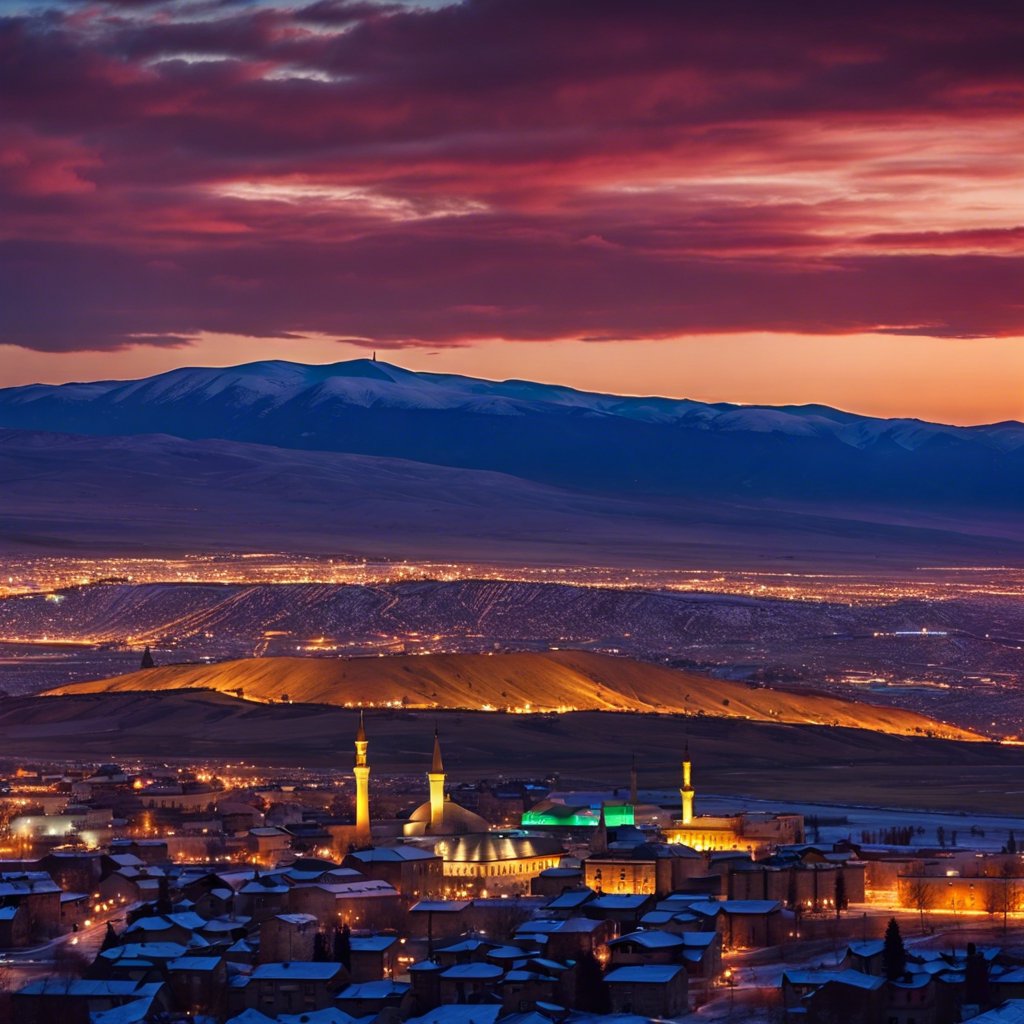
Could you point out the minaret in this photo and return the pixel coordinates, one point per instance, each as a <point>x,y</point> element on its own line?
<point>436,779</point>
<point>599,844</point>
<point>687,790</point>
<point>362,774</point>
<point>633,783</point>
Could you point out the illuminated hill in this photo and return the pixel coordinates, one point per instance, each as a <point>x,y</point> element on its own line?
<point>556,680</point>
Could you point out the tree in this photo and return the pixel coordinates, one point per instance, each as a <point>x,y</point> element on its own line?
<point>1009,894</point>
<point>163,900</point>
<point>592,994</point>
<point>841,899</point>
<point>894,956</point>
<point>319,947</point>
<point>919,895</point>
<point>343,946</point>
<point>147,658</point>
<point>110,938</point>
<point>1011,843</point>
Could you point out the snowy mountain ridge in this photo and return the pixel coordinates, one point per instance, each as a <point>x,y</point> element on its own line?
<point>261,387</point>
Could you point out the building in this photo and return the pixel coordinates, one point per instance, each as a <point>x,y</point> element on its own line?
<point>414,871</point>
<point>440,816</point>
<point>496,862</point>
<point>294,987</point>
<point>649,990</point>
<point>758,834</point>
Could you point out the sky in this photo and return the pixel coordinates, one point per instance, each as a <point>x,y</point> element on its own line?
<point>718,200</point>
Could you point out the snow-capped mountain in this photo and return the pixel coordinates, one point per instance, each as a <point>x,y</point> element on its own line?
<point>366,432</point>
<point>263,388</point>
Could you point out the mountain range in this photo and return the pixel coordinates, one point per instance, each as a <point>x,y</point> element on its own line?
<point>366,457</point>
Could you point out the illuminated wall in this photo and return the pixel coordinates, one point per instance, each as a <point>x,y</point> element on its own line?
<point>582,817</point>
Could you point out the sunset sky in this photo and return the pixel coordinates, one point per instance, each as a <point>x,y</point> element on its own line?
<point>721,200</point>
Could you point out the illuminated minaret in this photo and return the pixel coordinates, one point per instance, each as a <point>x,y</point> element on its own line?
<point>686,792</point>
<point>362,774</point>
<point>436,778</point>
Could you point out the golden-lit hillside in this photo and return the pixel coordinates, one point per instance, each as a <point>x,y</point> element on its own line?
<point>556,680</point>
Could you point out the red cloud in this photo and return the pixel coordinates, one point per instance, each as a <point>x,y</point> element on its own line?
<point>508,168</point>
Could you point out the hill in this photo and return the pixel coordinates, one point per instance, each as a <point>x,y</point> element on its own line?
<point>732,756</point>
<point>562,680</point>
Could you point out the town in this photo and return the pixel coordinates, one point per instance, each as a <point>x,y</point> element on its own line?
<point>232,893</point>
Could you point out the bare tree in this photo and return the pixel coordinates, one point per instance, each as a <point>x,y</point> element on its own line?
<point>918,894</point>
<point>1008,894</point>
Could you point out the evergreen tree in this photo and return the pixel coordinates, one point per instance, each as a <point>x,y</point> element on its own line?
<point>1011,843</point>
<point>975,976</point>
<point>320,947</point>
<point>110,939</point>
<point>147,658</point>
<point>343,946</point>
<point>163,899</point>
<point>842,902</point>
<point>592,994</point>
<point>791,897</point>
<point>894,956</point>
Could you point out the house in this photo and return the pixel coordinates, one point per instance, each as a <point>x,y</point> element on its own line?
<point>267,844</point>
<point>469,982</point>
<point>646,947</point>
<point>454,1014</point>
<point>649,990</point>
<point>555,881</point>
<point>537,980</point>
<point>438,919</point>
<point>414,871</point>
<point>910,1000</point>
<point>865,957</point>
<point>743,923</point>
<point>37,892</point>
<point>15,929</point>
<point>75,1000</point>
<point>845,996</point>
<point>371,997</point>
<point>288,937</point>
<point>373,957</point>
<point>652,869</point>
<point>623,908</point>
<point>198,983</point>
<point>293,987</point>
<point>702,956</point>
<point>567,940</point>
<point>366,904</point>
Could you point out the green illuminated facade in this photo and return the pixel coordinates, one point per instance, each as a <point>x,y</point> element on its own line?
<point>580,817</point>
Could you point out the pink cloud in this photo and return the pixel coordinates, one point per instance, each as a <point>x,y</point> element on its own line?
<point>508,168</point>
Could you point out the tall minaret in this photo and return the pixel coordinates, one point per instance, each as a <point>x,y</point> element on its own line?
<point>687,790</point>
<point>362,774</point>
<point>436,779</point>
<point>599,844</point>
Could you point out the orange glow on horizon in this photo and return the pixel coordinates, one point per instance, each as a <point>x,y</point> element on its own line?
<point>960,381</point>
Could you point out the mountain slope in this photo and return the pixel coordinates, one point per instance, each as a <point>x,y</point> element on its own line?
<point>548,434</point>
<point>568,680</point>
<point>163,494</point>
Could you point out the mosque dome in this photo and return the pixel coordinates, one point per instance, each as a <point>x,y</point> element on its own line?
<point>455,820</point>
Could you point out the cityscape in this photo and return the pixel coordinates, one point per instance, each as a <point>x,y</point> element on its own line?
<point>511,512</point>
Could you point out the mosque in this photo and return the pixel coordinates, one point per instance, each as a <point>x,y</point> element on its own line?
<point>440,815</point>
<point>753,833</point>
<point>476,860</point>
<point>750,832</point>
